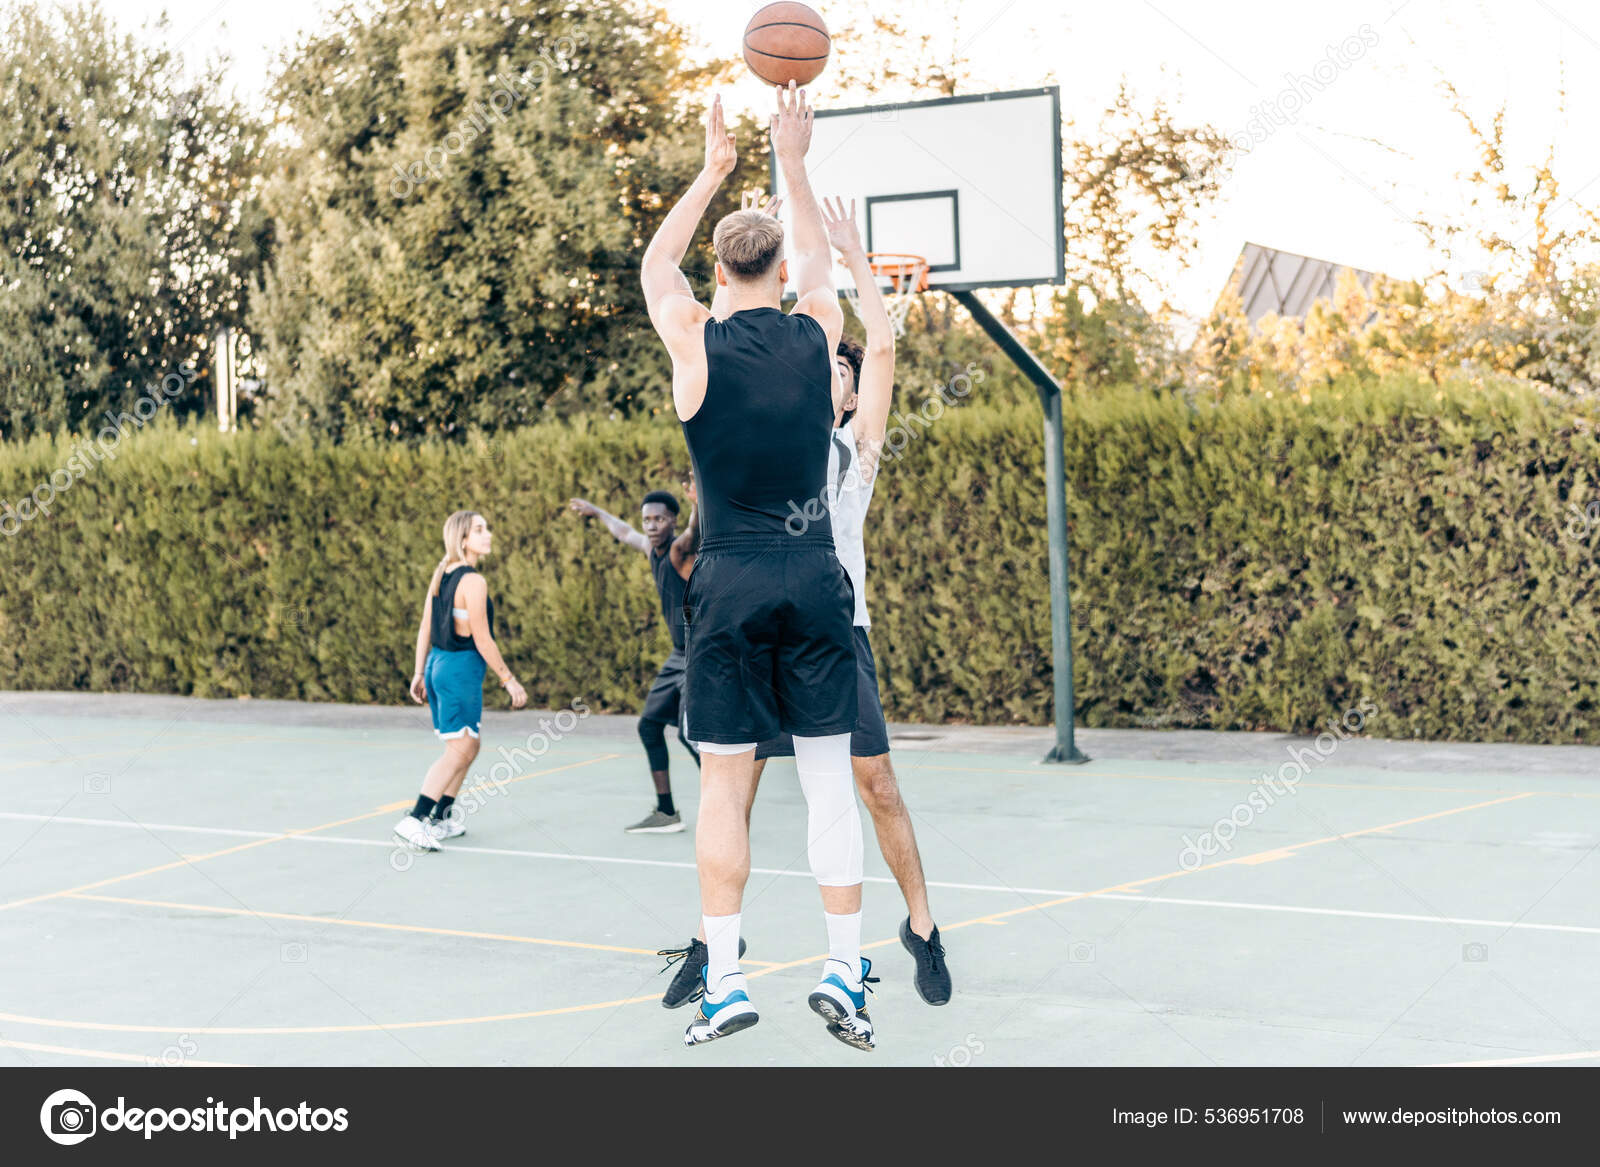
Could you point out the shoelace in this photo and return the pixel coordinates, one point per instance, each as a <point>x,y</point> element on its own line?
<point>673,955</point>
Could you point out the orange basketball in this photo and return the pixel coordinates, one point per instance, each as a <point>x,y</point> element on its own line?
<point>786,42</point>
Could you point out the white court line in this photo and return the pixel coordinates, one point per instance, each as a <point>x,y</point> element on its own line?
<point>1536,1059</point>
<point>568,856</point>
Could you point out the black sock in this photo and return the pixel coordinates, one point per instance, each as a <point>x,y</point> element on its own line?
<point>442,811</point>
<point>423,808</point>
<point>664,803</point>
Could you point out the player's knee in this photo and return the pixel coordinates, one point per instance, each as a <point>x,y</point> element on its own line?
<point>876,781</point>
<point>650,731</point>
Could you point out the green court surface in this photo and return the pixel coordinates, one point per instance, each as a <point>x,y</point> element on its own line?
<point>199,882</point>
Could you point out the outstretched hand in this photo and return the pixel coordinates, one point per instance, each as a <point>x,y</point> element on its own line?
<point>584,507</point>
<point>841,226</point>
<point>721,157</point>
<point>755,200</point>
<point>791,125</point>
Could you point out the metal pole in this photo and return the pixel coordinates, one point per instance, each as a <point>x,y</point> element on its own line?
<point>1055,478</point>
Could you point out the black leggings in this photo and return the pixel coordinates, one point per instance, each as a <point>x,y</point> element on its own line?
<point>654,736</point>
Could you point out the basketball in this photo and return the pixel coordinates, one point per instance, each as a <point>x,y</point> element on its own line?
<point>786,42</point>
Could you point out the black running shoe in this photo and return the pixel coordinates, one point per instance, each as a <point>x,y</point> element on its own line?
<point>687,985</point>
<point>933,975</point>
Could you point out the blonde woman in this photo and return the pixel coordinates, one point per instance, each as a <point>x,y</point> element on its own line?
<point>455,647</point>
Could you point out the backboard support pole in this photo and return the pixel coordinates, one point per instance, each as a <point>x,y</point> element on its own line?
<point>1065,749</point>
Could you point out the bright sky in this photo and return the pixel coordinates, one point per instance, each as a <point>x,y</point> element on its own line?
<point>1339,181</point>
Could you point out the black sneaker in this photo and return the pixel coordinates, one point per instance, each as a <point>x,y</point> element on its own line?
<point>933,975</point>
<point>688,984</point>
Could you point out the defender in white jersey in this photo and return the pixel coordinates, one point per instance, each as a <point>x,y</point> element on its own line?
<point>858,437</point>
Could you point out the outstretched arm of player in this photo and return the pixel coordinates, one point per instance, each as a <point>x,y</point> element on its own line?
<point>875,386</point>
<point>812,259</point>
<point>670,300</point>
<point>623,532</point>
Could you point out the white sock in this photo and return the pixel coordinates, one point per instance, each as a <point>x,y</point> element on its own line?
<point>844,943</point>
<point>722,946</point>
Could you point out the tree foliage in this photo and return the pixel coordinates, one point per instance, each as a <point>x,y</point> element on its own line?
<point>460,211</point>
<point>128,229</point>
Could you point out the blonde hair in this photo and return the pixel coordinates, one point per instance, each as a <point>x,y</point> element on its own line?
<point>456,529</point>
<point>748,243</point>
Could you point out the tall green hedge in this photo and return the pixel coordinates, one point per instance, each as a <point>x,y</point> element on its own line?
<point>1259,564</point>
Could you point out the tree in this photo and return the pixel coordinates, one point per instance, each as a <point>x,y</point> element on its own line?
<point>127,231</point>
<point>460,212</point>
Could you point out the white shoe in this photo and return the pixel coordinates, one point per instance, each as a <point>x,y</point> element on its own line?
<point>723,1010</point>
<point>449,827</point>
<point>415,834</point>
<point>841,1001</point>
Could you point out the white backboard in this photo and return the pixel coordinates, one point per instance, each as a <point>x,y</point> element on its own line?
<point>972,183</point>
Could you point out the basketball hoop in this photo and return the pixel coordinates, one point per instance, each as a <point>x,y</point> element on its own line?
<point>907,276</point>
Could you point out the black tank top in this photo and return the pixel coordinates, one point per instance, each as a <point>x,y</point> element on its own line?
<point>442,620</point>
<point>671,586</point>
<point>759,443</point>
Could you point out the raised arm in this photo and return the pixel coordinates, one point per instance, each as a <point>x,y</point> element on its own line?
<point>808,246</point>
<point>623,532</point>
<point>875,387</point>
<point>475,592</point>
<point>666,289</point>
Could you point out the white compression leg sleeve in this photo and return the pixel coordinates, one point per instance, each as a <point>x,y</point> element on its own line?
<point>833,834</point>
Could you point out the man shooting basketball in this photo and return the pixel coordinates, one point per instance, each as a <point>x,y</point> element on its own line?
<point>768,612</point>
<point>867,376</point>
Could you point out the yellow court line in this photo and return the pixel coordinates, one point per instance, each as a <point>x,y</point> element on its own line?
<point>1254,782</point>
<point>470,935</point>
<point>106,1054</point>
<point>50,895</point>
<point>1246,860</point>
<point>1256,857</point>
<point>184,862</point>
<point>112,1027</point>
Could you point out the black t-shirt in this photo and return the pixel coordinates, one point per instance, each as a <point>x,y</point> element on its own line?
<point>759,442</point>
<point>670,586</point>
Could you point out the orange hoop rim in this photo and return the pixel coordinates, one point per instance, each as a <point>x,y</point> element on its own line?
<point>897,265</point>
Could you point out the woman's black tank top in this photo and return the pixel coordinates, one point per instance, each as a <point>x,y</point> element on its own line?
<point>442,625</point>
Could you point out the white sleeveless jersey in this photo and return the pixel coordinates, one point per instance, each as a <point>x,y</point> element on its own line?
<point>848,500</point>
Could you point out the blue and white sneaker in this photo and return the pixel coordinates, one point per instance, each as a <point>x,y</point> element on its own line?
<point>842,1007</point>
<point>725,1011</point>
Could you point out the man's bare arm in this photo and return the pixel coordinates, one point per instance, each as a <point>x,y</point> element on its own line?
<point>623,532</point>
<point>875,383</point>
<point>667,292</point>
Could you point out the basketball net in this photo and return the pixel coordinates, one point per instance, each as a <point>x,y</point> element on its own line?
<point>907,275</point>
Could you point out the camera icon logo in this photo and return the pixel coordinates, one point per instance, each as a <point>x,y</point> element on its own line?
<point>68,1117</point>
<point>1475,953</point>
